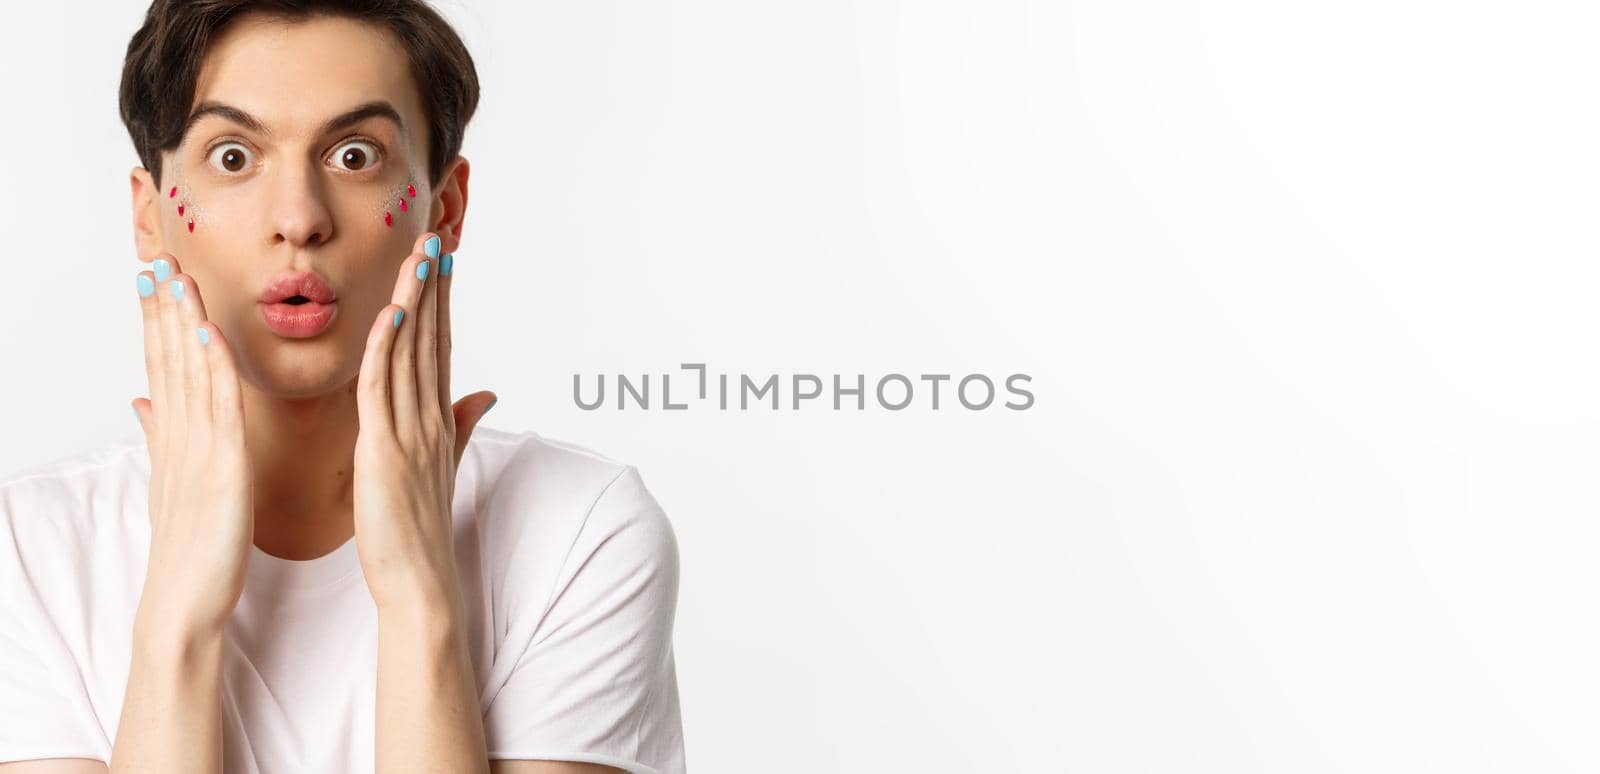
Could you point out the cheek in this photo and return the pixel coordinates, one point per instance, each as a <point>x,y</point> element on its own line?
<point>393,207</point>
<point>181,200</point>
<point>197,210</point>
<point>397,203</point>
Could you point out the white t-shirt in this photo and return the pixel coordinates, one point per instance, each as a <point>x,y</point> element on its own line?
<point>568,567</point>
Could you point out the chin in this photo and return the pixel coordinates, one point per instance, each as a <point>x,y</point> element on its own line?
<point>300,368</point>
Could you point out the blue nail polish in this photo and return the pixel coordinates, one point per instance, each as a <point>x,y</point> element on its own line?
<point>136,414</point>
<point>446,264</point>
<point>422,271</point>
<point>399,314</point>
<point>162,268</point>
<point>205,336</point>
<point>146,287</point>
<point>431,247</point>
<point>177,290</point>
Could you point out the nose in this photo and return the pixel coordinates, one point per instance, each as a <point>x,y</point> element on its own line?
<point>297,206</point>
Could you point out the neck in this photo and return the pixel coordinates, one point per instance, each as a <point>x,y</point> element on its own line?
<point>301,453</point>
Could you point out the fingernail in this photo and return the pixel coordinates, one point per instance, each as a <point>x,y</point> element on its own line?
<point>177,290</point>
<point>446,263</point>
<point>205,336</point>
<point>162,268</point>
<point>492,401</point>
<point>422,271</point>
<point>399,314</point>
<point>431,247</point>
<point>145,284</point>
<point>136,414</point>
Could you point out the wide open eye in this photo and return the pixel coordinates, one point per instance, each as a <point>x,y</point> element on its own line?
<point>230,157</point>
<point>356,156</point>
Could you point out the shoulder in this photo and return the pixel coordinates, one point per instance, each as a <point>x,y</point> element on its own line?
<point>69,535</point>
<point>124,455</point>
<point>75,493</point>
<point>528,453</point>
<point>553,504</point>
<point>529,473</point>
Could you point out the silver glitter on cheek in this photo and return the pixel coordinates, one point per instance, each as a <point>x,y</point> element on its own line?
<point>181,198</point>
<point>397,202</point>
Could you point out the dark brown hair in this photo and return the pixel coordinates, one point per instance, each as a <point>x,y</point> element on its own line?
<point>163,63</point>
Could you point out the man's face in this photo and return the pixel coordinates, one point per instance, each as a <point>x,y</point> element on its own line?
<point>240,205</point>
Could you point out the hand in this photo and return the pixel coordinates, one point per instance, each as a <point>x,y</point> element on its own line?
<point>202,511</point>
<point>411,440</point>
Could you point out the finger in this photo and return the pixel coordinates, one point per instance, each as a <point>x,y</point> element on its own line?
<point>227,399</point>
<point>196,364</point>
<point>403,359</point>
<point>373,399</point>
<point>221,390</point>
<point>171,411</point>
<point>141,412</point>
<point>427,342</point>
<point>446,280</point>
<point>468,412</point>
<point>155,363</point>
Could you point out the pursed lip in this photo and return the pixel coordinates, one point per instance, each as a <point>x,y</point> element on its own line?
<point>297,283</point>
<point>298,321</point>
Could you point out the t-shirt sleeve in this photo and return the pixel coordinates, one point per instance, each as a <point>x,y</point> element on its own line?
<point>597,681</point>
<point>45,709</point>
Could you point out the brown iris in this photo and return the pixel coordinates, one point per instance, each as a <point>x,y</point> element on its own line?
<point>354,158</point>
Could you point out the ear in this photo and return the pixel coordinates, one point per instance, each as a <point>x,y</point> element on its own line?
<point>452,206</point>
<point>147,237</point>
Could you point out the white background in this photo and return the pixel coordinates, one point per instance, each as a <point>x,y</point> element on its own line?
<point>1305,289</point>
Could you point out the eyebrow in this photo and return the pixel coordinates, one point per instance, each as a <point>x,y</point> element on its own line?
<point>345,120</point>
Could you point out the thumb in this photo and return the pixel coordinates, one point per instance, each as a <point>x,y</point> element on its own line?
<point>142,410</point>
<point>468,411</point>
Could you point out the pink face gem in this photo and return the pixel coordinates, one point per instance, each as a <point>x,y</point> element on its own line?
<point>388,220</point>
<point>173,192</point>
<point>191,225</point>
<point>411,190</point>
<point>180,208</point>
<point>402,205</point>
